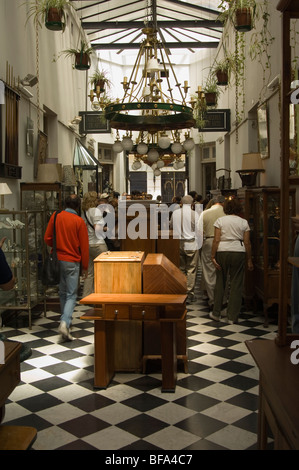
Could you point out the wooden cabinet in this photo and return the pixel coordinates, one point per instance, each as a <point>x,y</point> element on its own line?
<point>121,273</point>
<point>262,210</point>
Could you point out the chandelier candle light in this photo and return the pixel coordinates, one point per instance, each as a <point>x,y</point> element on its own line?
<point>156,116</point>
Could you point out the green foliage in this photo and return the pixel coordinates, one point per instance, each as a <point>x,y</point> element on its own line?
<point>38,10</point>
<point>99,75</point>
<point>83,49</point>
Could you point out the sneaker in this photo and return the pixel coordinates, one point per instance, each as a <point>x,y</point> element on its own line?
<point>64,331</point>
<point>211,315</point>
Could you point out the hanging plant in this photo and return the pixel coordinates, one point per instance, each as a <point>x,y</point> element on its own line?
<point>81,56</point>
<point>51,13</point>
<point>99,81</point>
<point>211,91</point>
<point>260,45</point>
<point>241,13</point>
<point>223,69</point>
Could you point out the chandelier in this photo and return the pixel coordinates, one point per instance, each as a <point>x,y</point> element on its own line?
<point>152,119</point>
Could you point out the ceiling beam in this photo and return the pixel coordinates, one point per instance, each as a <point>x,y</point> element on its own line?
<point>140,24</point>
<point>162,24</point>
<point>167,45</point>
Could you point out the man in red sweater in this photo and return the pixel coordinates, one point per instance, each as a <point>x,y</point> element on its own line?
<point>72,251</point>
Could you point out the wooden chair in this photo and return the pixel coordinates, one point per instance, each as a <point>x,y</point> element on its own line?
<point>16,437</point>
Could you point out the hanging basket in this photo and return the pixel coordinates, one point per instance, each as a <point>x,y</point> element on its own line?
<point>82,61</point>
<point>55,20</point>
<point>101,85</point>
<point>222,77</point>
<point>211,99</point>
<point>243,20</point>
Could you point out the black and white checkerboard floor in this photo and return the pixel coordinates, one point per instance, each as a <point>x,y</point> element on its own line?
<point>214,405</point>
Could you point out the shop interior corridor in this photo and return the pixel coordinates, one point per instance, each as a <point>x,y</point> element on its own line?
<point>214,406</point>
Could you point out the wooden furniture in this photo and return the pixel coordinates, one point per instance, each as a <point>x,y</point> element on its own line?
<point>161,276</point>
<point>12,437</point>
<point>120,272</point>
<point>150,229</point>
<point>279,385</point>
<point>262,210</point>
<point>120,308</point>
<point>10,370</point>
<point>289,10</point>
<point>170,247</point>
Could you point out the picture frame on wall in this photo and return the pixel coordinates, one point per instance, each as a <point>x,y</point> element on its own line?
<point>263,130</point>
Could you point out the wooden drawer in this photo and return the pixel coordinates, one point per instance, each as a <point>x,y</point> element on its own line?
<point>144,312</point>
<point>116,311</point>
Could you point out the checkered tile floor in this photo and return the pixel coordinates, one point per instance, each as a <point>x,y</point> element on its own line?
<point>214,405</point>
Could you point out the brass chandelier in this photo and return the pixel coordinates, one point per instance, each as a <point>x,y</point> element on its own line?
<point>155,115</point>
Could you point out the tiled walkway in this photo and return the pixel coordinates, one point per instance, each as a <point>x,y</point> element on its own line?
<point>214,405</point>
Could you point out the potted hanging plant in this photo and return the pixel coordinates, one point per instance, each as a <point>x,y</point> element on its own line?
<point>222,69</point>
<point>52,13</point>
<point>241,13</point>
<point>99,81</point>
<point>81,55</point>
<point>211,91</point>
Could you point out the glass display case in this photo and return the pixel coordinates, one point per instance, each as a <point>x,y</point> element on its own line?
<point>23,248</point>
<point>44,196</point>
<point>262,210</point>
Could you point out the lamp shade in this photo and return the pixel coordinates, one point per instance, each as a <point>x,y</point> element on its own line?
<point>142,148</point>
<point>127,143</point>
<point>117,147</point>
<point>4,189</point>
<point>153,65</point>
<point>252,161</point>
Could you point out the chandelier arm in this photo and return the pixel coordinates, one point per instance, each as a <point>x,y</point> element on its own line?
<point>175,77</point>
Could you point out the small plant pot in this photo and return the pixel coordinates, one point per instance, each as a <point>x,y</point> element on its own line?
<point>243,20</point>
<point>222,77</point>
<point>211,99</point>
<point>54,19</point>
<point>82,61</point>
<point>101,85</point>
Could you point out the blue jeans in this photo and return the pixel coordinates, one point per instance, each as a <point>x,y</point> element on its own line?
<point>68,287</point>
<point>295,293</point>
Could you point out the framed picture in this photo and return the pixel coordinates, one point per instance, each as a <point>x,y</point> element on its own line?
<point>263,130</point>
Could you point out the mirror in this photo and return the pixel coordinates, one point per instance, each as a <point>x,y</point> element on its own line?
<point>263,130</point>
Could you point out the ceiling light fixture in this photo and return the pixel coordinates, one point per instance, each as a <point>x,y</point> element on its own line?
<point>157,116</point>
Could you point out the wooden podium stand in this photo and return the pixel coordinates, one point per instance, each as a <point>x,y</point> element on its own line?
<point>132,321</point>
<point>120,272</point>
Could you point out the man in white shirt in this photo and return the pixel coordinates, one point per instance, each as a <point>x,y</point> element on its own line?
<point>184,222</point>
<point>206,220</point>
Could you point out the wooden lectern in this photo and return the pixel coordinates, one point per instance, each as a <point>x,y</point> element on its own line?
<point>131,322</point>
<point>120,272</point>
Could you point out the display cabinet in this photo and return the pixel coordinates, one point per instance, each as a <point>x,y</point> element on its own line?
<point>44,196</point>
<point>23,248</point>
<point>262,210</point>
